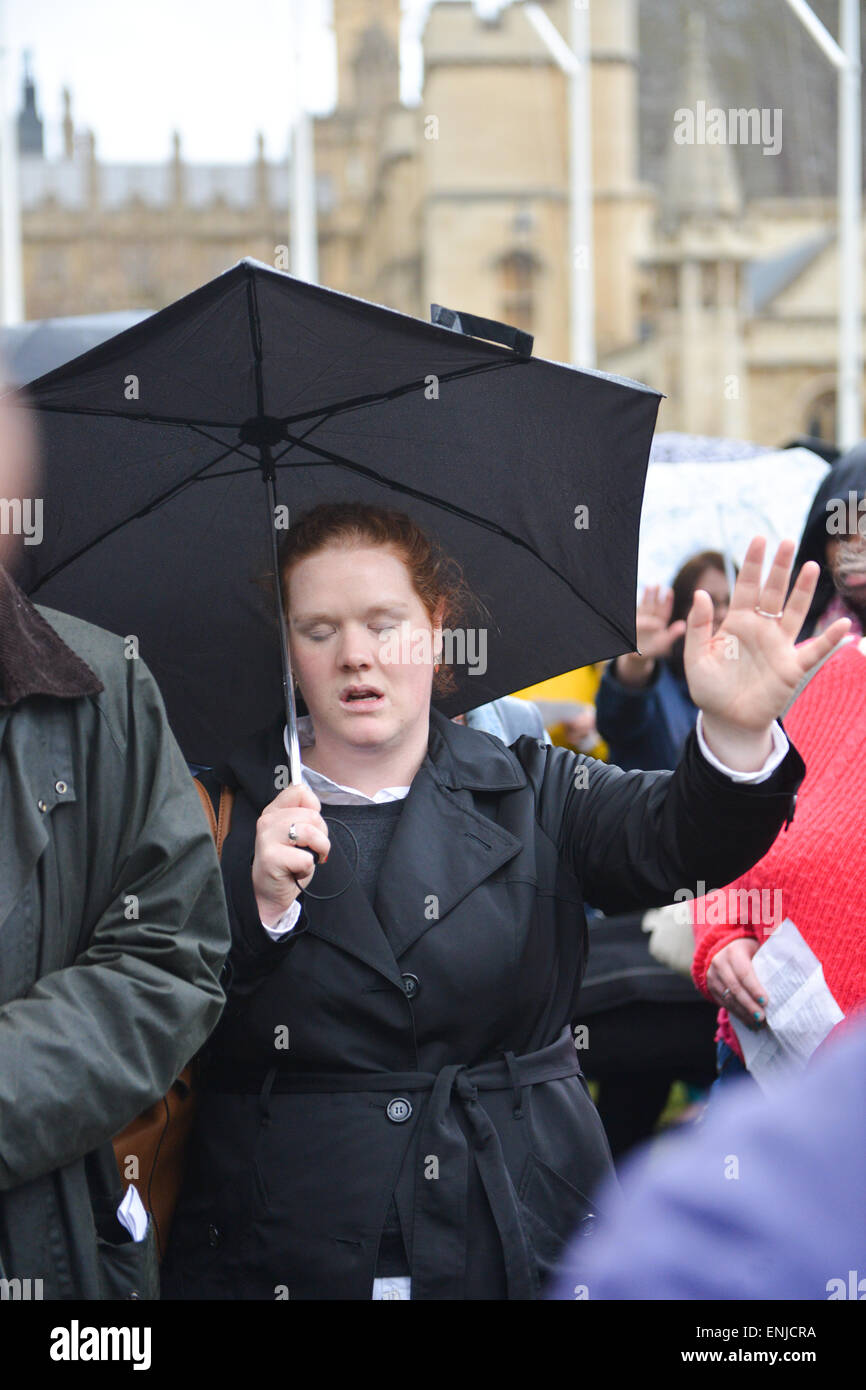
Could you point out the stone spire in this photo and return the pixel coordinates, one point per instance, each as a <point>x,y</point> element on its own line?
<point>177,179</point>
<point>700,177</point>
<point>68,127</point>
<point>262,192</point>
<point>367,34</point>
<point>29,122</point>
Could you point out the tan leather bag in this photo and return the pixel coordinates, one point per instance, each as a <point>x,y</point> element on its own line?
<point>153,1146</point>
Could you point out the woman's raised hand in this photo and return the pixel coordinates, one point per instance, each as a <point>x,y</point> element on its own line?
<point>283,865</point>
<point>743,675</point>
<point>656,635</point>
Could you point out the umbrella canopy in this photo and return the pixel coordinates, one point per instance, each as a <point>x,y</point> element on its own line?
<point>156,521</point>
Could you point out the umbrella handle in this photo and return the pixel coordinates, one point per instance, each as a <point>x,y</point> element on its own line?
<point>472,325</point>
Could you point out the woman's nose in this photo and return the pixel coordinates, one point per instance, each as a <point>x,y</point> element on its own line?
<point>356,649</point>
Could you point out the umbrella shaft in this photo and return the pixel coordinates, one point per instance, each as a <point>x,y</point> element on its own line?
<point>288,683</point>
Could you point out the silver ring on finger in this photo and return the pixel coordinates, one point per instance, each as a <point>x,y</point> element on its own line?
<point>764,614</point>
<point>293,832</point>
<point>726,995</point>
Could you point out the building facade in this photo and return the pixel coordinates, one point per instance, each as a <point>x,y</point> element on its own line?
<point>723,300</point>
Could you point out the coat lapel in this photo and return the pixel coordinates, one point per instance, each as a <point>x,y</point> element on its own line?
<point>348,919</point>
<point>443,847</point>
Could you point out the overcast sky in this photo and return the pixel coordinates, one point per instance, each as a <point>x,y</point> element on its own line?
<point>216,70</point>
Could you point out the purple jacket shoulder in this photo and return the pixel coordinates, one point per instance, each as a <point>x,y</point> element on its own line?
<point>764,1200</point>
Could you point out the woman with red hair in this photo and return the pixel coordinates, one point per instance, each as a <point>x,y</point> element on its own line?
<point>393,1100</point>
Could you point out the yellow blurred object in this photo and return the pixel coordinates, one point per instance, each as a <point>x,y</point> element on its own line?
<point>581,687</point>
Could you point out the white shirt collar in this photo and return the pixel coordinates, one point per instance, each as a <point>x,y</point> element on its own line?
<point>335,793</point>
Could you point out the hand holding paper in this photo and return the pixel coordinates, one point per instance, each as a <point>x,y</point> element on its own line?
<point>801,1011</point>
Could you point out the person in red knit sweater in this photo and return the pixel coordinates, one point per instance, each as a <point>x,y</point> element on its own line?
<point>814,873</point>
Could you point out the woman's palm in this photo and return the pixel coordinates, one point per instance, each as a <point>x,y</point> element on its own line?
<point>747,671</point>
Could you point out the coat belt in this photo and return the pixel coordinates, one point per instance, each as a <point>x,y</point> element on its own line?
<point>438,1257</point>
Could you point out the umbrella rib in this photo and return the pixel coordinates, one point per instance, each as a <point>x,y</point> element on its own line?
<point>318,414</point>
<point>104,414</point>
<point>150,506</point>
<point>327,412</point>
<point>494,526</point>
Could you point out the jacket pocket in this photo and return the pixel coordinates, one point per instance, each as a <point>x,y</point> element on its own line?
<point>128,1269</point>
<point>554,1213</point>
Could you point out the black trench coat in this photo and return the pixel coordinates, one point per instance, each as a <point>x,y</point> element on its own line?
<point>429,1046</point>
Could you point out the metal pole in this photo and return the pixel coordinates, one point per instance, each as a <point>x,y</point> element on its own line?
<point>580,172</point>
<point>304,237</point>
<point>574,61</point>
<point>845,57</point>
<point>11,293</point>
<point>849,396</point>
<point>822,36</point>
<point>268,473</point>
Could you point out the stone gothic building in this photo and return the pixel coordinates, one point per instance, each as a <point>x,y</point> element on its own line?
<point>719,293</point>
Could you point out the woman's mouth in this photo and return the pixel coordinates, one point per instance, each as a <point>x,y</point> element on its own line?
<point>361,698</point>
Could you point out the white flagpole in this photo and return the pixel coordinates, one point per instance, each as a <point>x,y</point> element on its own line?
<point>11,292</point>
<point>304,254</point>
<point>574,61</point>
<point>845,57</point>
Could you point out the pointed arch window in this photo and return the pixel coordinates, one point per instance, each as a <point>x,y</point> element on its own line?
<point>518,273</point>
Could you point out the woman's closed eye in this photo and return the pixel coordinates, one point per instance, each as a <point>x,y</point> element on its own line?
<point>320,634</point>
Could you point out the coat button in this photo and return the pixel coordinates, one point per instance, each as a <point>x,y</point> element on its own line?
<point>60,787</point>
<point>412,985</point>
<point>398,1110</point>
<point>213,1236</point>
<point>43,805</point>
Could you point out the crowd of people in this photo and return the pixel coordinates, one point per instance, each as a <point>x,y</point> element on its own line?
<point>378,980</point>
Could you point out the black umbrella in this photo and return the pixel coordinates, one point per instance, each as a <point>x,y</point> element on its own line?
<point>155,444</point>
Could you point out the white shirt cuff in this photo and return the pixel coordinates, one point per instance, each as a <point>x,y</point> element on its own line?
<point>286,923</point>
<point>780,748</point>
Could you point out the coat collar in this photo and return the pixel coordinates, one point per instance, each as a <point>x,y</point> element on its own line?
<point>458,758</point>
<point>468,758</point>
<point>442,849</point>
<point>34,659</point>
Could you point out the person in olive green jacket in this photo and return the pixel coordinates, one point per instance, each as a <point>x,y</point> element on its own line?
<point>113,935</point>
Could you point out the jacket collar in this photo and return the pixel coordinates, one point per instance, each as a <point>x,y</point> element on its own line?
<point>34,659</point>
<point>442,849</point>
<point>470,759</point>
<point>459,758</point>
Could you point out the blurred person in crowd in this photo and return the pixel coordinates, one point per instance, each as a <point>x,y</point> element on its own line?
<point>567,706</point>
<point>506,718</point>
<point>644,708</point>
<point>835,536</point>
<point>814,873</point>
<point>113,930</point>
<point>828,721</point>
<point>764,1200</point>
